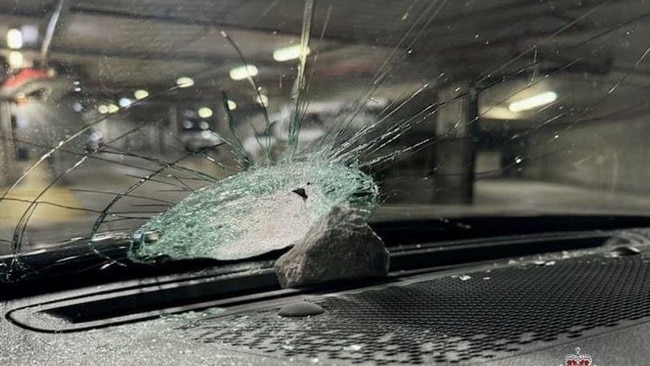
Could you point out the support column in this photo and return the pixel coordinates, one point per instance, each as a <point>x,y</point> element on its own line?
<point>7,147</point>
<point>454,152</point>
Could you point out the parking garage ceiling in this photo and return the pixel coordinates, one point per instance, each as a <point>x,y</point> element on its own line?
<point>116,45</point>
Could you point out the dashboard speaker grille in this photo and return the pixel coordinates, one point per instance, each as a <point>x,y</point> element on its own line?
<point>453,319</point>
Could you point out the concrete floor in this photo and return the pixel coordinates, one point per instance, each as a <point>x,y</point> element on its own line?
<point>70,209</point>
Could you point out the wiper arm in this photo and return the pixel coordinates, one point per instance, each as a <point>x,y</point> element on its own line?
<point>414,244</point>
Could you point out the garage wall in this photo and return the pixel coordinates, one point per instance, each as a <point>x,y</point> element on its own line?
<point>611,155</point>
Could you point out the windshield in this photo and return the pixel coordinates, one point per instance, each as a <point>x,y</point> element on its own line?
<point>224,124</point>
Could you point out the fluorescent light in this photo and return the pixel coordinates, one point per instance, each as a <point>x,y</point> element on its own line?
<point>533,102</point>
<point>14,39</point>
<point>125,102</point>
<point>243,72</point>
<point>205,112</point>
<point>232,105</point>
<point>262,100</point>
<point>112,108</point>
<point>288,53</point>
<point>184,82</point>
<point>16,59</point>
<point>140,94</point>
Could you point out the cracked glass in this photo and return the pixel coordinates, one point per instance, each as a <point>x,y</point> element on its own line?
<point>224,129</point>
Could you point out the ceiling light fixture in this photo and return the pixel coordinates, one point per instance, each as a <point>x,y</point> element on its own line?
<point>289,53</point>
<point>243,72</point>
<point>125,102</point>
<point>140,94</point>
<point>16,59</point>
<point>112,108</point>
<point>205,112</point>
<point>262,100</point>
<point>232,105</point>
<point>533,102</point>
<point>184,82</point>
<point>14,39</point>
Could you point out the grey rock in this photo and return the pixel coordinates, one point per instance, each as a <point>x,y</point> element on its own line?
<point>341,245</point>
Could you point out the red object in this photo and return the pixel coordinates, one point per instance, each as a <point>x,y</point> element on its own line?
<point>577,359</point>
<point>22,77</point>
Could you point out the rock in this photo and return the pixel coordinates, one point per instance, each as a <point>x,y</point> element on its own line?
<point>341,245</point>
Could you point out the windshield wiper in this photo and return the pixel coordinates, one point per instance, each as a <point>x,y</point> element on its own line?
<point>413,245</point>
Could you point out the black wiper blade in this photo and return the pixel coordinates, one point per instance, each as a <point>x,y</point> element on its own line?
<point>439,242</point>
<point>413,231</point>
<point>75,264</point>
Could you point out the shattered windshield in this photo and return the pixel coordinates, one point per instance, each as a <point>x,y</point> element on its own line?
<point>228,129</point>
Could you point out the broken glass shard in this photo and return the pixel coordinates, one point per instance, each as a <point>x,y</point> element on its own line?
<point>254,212</point>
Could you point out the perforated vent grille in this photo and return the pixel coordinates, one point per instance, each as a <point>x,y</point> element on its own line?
<point>453,319</point>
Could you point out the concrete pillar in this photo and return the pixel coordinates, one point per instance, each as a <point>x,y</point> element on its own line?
<point>8,171</point>
<point>454,150</point>
<point>172,125</point>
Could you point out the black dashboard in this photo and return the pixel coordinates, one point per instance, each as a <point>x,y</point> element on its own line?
<point>587,303</point>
